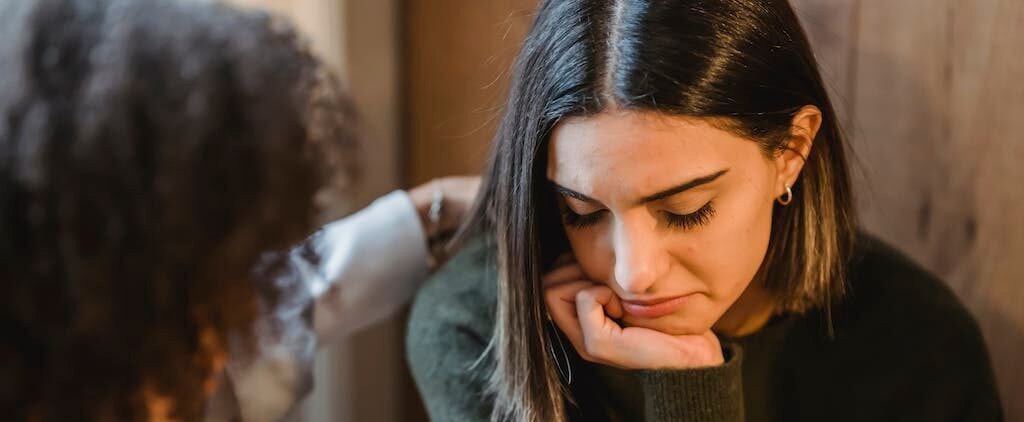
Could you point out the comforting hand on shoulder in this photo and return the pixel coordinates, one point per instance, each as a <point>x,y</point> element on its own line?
<point>587,312</point>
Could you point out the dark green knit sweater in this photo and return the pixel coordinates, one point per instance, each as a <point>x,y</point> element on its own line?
<point>903,349</point>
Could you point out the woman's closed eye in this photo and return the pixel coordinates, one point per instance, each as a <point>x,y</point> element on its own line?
<point>692,220</point>
<point>578,221</point>
<point>672,220</point>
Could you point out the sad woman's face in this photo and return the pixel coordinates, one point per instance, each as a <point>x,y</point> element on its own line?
<point>670,212</point>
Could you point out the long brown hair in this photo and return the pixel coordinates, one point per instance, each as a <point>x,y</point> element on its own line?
<point>746,63</point>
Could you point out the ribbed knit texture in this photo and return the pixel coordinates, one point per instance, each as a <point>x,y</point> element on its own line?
<point>901,348</point>
<point>713,394</point>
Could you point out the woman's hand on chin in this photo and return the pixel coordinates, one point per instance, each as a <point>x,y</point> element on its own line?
<point>586,313</point>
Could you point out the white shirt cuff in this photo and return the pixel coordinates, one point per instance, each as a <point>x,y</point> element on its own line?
<point>371,264</point>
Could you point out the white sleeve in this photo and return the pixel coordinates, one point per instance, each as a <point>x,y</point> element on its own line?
<point>371,264</point>
<point>353,272</point>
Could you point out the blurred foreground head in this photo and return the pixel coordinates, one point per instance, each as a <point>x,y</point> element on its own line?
<point>151,151</point>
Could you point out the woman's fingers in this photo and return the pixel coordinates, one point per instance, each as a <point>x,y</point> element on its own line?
<point>560,287</point>
<point>614,307</point>
<point>458,195</point>
<point>561,304</point>
<point>587,312</point>
<point>565,258</point>
<point>600,333</point>
<point>566,273</point>
<point>590,302</point>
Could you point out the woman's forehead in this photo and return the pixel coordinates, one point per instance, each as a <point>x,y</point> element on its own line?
<point>641,150</point>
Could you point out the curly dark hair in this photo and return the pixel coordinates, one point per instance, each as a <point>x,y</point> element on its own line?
<point>151,151</point>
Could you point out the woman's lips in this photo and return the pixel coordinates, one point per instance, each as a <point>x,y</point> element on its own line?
<point>654,308</point>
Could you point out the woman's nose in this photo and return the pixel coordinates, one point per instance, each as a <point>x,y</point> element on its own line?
<point>638,261</point>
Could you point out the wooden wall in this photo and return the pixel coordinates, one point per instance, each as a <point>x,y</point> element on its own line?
<point>457,54</point>
<point>930,92</point>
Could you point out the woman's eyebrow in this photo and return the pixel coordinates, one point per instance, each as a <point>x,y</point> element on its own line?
<point>685,186</point>
<point>572,194</point>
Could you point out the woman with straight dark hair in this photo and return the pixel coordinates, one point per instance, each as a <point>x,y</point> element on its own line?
<point>665,231</point>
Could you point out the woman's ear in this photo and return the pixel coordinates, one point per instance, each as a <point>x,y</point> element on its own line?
<point>803,128</point>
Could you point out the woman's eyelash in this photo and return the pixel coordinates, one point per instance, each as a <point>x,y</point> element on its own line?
<point>691,220</point>
<point>675,221</point>
<point>579,221</point>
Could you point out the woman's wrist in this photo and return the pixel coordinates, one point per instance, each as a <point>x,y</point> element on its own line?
<point>426,197</point>
<point>441,205</point>
<point>703,354</point>
<point>692,351</point>
<point>430,200</point>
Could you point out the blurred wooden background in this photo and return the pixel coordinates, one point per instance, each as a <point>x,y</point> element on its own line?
<point>929,90</point>
<point>932,95</point>
<point>456,58</point>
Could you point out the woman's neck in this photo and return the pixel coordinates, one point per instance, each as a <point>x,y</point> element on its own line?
<point>750,313</point>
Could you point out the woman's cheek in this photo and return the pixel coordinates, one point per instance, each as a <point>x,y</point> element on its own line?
<point>726,257</point>
<point>587,249</point>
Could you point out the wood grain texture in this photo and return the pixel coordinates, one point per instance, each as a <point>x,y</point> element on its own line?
<point>931,93</point>
<point>832,27</point>
<point>457,57</point>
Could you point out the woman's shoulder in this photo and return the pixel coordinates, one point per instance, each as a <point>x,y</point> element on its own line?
<point>901,327</point>
<point>889,294</point>
<point>449,330</point>
<point>461,296</point>
<point>883,279</point>
<point>467,281</point>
